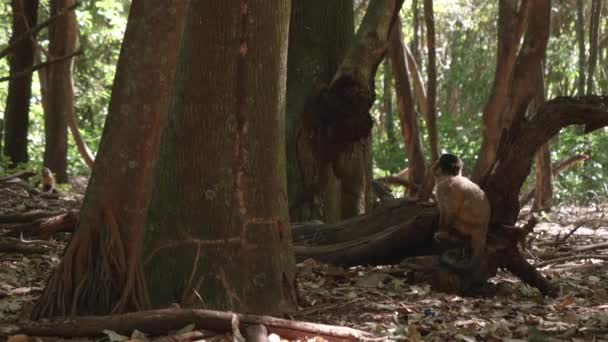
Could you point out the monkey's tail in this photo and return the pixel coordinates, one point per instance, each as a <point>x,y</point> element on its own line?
<point>477,249</point>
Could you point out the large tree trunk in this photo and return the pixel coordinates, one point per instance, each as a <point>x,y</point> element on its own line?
<point>410,129</point>
<point>218,231</point>
<point>16,113</point>
<point>336,123</point>
<point>510,30</point>
<point>101,271</point>
<point>63,36</point>
<point>319,34</point>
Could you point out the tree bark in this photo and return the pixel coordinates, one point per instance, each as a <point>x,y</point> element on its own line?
<point>510,30</point>
<point>544,174</point>
<point>16,113</point>
<point>580,38</point>
<point>418,85</point>
<point>416,32</point>
<point>431,93</point>
<point>388,122</point>
<point>336,120</point>
<point>407,116</point>
<point>63,36</point>
<point>81,145</point>
<point>101,271</point>
<point>319,35</point>
<point>594,28</point>
<point>217,221</point>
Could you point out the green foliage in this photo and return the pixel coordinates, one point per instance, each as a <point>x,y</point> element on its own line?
<point>101,29</point>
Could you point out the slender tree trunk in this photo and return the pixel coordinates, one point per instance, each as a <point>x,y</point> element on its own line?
<point>388,103</point>
<point>594,28</point>
<point>510,30</point>
<point>407,115</point>
<point>544,172</point>
<point>218,232</point>
<point>101,271</point>
<point>580,38</point>
<point>63,36</point>
<point>16,113</point>
<point>418,84</point>
<point>319,35</point>
<point>416,32</point>
<point>431,93</point>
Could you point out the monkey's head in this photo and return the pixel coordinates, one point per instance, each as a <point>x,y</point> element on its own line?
<point>46,172</point>
<point>447,165</point>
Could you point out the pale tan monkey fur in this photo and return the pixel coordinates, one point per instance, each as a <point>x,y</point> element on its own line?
<point>463,207</point>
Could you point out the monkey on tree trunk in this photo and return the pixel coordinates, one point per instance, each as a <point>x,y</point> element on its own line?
<point>463,208</point>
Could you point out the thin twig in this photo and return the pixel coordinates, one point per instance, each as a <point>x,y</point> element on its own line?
<point>572,257</point>
<point>39,66</point>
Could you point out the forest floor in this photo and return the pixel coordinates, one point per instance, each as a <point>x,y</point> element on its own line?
<point>571,241</point>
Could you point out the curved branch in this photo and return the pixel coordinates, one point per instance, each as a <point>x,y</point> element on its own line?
<point>516,151</point>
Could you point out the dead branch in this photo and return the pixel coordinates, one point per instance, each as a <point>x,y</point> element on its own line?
<point>25,175</point>
<point>396,180</point>
<point>590,247</point>
<point>196,335</point>
<point>158,322</point>
<point>36,29</point>
<point>39,66</point>
<point>572,257</point>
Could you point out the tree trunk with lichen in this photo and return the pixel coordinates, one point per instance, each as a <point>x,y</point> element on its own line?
<point>319,34</point>
<point>217,233</point>
<point>101,271</point>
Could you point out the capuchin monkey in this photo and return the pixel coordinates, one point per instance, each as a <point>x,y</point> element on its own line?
<point>48,181</point>
<point>463,207</point>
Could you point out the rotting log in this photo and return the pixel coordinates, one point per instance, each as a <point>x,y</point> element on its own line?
<point>161,322</point>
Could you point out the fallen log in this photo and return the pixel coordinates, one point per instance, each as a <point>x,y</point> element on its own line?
<point>161,322</point>
<point>386,236</point>
<point>24,248</point>
<point>30,216</point>
<point>46,227</point>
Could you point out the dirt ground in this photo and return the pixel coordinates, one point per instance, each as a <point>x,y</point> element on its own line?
<point>571,242</point>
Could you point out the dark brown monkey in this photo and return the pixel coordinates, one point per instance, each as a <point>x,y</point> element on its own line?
<point>48,180</point>
<point>463,207</point>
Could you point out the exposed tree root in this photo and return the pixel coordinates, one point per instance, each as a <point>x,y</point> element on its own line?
<point>99,274</point>
<point>161,322</point>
